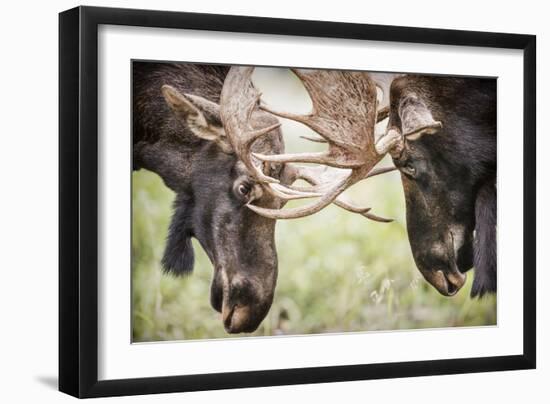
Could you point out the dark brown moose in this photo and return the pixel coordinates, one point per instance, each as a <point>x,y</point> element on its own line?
<point>446,153</point>
<point>203,130</point>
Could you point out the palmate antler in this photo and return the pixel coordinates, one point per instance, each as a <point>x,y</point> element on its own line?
<point>344,115</point>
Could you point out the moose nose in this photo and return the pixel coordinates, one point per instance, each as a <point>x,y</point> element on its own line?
<point>243,303</point>
<point>447,283</point>
<point>237,319</point>
<point>243,309</point>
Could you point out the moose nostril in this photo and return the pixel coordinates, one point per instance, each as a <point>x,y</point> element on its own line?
<point>446,283</point>
<point>455,281</point>
<point>227,315</point>
<point>238,319</point>
<point>451,288</point>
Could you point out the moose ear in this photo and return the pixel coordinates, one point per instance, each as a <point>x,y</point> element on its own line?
<point>179,256</point>
<point>200,115</point>
<point>416,118</point>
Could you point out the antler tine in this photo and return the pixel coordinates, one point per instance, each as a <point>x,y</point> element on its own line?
<point>382,114</point>
<point>314,139</point>
<point>288,193</point>
<point>325,158</point>
<point>362,211</point>
<point>376,218</point>
<point>379,171</point>
<point>305,174</point>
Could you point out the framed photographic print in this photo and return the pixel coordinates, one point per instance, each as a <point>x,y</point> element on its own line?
<point>250,201</point>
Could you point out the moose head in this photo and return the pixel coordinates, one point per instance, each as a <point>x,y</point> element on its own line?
<point>443,132</point>
<point>210,206</point>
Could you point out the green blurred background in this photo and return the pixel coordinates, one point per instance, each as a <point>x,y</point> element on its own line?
<point>338,272</point>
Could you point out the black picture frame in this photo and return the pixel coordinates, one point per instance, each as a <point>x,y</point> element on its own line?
<point>78,201</point>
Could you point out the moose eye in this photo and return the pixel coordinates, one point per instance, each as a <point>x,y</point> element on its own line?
<point>243,189</point>
<point>408,169</point>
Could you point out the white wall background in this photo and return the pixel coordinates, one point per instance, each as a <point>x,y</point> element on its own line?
<point>28,199</point>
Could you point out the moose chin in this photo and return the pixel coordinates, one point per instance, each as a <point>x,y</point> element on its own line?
<point>446,154</point>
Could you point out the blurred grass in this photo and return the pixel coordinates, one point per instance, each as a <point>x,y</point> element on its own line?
<point>338,272</point>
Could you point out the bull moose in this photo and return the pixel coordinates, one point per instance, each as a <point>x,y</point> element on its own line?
<point>446,153</point>
<point>203,130</point>
<point>441,134</point>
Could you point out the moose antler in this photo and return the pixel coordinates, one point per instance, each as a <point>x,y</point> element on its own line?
<point>344,115</point>
<point>344,105</point>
